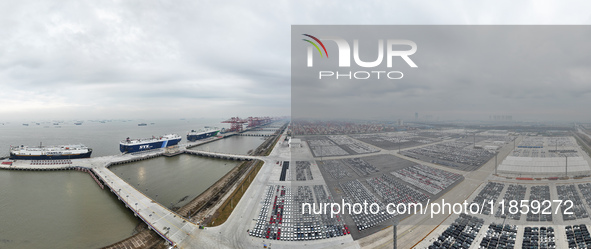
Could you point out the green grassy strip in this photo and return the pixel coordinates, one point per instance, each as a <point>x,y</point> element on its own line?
<point>228,206</point>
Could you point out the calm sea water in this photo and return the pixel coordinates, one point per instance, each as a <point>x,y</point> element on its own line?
<point>59,210</point>
<point>174,180</point>
<point>233,145</point>
<point>103,138</point>
<point>67,209</point>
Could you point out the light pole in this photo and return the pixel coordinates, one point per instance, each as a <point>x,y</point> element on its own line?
<point>394,230</point>
<point>566,166</point>
<point>496,164</point>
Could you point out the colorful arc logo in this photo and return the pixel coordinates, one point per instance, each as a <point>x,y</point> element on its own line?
<point>319,42</point>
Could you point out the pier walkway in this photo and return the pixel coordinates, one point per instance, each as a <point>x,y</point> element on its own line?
<point>166,223</point>
<point>221,155</point>
<point>169,225</point>
<point>256,135</point>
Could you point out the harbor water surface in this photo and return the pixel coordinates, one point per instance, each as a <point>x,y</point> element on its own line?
<point>67,209</point>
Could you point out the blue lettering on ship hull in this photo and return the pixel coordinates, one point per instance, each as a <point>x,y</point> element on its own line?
<point>147,146</point>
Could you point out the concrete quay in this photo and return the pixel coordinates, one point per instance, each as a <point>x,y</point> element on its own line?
<point>233,233</point>
<point>166,223</point>
<point>221,155</point>
<point>169,225</point>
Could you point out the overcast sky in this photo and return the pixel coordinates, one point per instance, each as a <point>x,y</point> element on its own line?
<point>182,59</point>
<point>532,73</point>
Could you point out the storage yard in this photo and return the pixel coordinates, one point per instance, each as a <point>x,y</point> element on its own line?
<point>398,140</point>
<point>461,233</point>
<point>286,219</point>
<point>499,236</point>
<point>514,192</point>
<point>578,236</point>
<point>386,178</point>
<point>355,192</point>
<point>454,154</point>
<point>326,169</point>
<point>301,127</point>
<point>337,145</point>
<point>553,230</point>
<point>506,229</point>
<point>546,157</point>
<point>382,179</point>
<point>538,237</point>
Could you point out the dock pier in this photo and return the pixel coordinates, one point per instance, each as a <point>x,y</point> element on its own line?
<point>92,174</point>
<point>256,135</point>
<point>221,155</point>
<point>169,225</point>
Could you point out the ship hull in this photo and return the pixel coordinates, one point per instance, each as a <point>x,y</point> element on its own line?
<point>147,146</point>
<point>49,157</point>
<point>195,137</point>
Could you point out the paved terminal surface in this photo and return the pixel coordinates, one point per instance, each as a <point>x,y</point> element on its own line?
<point>172,227</point>
<point>221,155</point>
<point>233,233</point>
<point>557,223</point>
<point>413,231</point>
<point>166,223</point>
<point>484,177</point>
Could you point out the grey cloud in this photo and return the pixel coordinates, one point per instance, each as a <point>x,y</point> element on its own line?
<point>464,71</point>
<point>97,59</point>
